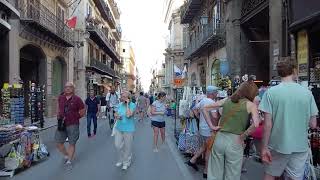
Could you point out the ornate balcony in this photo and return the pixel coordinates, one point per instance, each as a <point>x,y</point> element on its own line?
<point>7,11</point>
<point>211,35</point>
<point>99,36</point>
<point>252,7</point>
<point>105,12</point>
<point>100,67</point>
<point>189,10</point>
<point>34,13</point>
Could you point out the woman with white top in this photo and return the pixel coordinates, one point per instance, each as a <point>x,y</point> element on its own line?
<point>158,111</point>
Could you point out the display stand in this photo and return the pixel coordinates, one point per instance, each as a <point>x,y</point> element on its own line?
<point>37,102</point>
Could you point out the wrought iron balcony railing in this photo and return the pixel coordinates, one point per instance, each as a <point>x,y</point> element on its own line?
<point>212,34</point>
<point>189,10</point>
<point>35,12</point>
<point>100,66</point>
<point>108,46</point>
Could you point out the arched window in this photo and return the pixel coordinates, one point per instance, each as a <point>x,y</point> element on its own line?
<point>215,72</point>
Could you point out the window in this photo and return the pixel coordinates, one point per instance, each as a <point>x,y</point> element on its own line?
<point>123,50</point>
<point>89,10</point>
<point>97,54</point>
<point>91,51</point>
<point>60,13</point>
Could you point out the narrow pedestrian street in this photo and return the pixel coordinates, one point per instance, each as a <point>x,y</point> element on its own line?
<point>96,158</point>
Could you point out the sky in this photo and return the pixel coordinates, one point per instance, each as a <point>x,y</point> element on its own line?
<point>142,24</point>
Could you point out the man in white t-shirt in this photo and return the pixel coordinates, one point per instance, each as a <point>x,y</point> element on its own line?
<point>204,128</point>
<point>113,99</point>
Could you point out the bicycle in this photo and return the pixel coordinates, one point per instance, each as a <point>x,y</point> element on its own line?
<point>110,116</point>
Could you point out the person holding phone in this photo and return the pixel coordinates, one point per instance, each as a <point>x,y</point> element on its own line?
<point>124,129</point>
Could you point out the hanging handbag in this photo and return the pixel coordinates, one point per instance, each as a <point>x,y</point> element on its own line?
<point>212,138</point>
<point>192,137</point>
<point>61,125</point>
<point>61,119</point>
<point>182,139</point>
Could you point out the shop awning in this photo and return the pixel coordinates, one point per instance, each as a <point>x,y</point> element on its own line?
<point>106,76</point>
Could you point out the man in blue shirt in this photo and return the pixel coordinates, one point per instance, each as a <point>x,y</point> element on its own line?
<point>93,108</point>
<point>124,130</point>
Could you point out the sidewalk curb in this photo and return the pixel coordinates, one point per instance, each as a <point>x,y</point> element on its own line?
<point>179,160</point>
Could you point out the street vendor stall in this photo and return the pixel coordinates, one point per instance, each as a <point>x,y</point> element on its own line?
<point>20,144</point>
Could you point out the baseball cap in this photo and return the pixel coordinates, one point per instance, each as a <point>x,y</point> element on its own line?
<point>212,89</point>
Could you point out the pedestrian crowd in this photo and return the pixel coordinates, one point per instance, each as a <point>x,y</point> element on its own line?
<point>274,117</point>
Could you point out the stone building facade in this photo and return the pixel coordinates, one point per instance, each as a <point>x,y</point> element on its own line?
<point>97,37</point>
<point>38,48</point>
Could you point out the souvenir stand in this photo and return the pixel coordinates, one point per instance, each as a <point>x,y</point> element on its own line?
<point>20,145</point>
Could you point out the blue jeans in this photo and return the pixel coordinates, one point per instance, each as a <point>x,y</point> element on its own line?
<point>91,117</point>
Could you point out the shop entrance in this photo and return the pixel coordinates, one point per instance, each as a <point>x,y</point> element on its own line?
<point>32,69</point>
<point>255,45</point>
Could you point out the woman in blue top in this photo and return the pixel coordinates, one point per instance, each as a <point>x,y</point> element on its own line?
<point>124,130</point>
<point>158,111</point>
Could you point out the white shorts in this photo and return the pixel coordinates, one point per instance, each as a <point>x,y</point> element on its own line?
<point>103,109</point>
<point>290,164</point>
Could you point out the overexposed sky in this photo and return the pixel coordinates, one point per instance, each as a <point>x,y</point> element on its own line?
<point>142,24</point>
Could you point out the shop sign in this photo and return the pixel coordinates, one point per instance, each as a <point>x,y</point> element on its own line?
<point>302,53</point>
<point>178,82</point>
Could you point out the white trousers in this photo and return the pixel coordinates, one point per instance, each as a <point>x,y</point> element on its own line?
<point>123,143</point>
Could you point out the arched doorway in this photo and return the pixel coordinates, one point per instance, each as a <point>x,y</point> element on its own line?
<point>59,73</point>
<point>32,69</point>
<point>215,72</point>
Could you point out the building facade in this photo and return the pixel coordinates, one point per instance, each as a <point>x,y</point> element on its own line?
<point>204,45</point>
<point>38,47</point>
<point>98,35</point>
<point>174,54</point>
<point>129,65</point>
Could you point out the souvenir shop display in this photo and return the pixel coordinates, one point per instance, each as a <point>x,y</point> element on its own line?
<point>37,102</point>
<point>20,147</point>
<point>5,97</point>
<point>189,140</point>
<point>12,104</point>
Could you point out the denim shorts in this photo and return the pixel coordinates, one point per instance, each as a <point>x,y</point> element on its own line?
<point>71,132</point>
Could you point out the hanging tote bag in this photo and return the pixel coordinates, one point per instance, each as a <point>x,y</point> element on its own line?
<point>182,138</point>
<point>192,137</point>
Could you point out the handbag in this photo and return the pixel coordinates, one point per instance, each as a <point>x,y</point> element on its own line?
<point>192,137</point>
<point>212,138</point>
<point>61,124</point>
<point>61,119</point>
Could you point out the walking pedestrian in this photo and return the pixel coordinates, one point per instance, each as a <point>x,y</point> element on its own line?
<point>288,110</point>
<point>158,111</point>
<point>142,106</point>
<point>112,99</point>
<point>228,143</point>
<point>204,129</point>
<point>124,130</point>
<point>103,103</point>
<point>70,110</point>
<point>93,108</point>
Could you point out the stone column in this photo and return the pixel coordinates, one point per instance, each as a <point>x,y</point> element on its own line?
<point>233,32</point>
<point>14,54</point>
<point>275,28</point>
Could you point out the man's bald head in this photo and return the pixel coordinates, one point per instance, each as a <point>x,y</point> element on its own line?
<point>69,88</point>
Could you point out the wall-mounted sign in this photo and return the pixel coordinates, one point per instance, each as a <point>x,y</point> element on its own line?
<point>178,82</point>
<point>302,53</point>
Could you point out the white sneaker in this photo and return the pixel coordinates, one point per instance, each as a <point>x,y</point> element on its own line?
<point>125,167</point>
<point>119,164</point>
<point>155,150</point>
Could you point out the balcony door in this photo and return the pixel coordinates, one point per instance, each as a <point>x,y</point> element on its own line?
<point>60,20</point>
